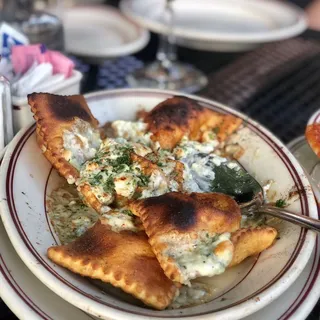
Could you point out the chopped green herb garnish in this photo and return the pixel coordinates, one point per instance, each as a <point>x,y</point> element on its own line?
<point>127,211</point>
<point>109,185</point>
<point>96,179</point>
<point>144,180</point>
<point>281,203</point>
<point>137,194</point>
<point>216,130</point>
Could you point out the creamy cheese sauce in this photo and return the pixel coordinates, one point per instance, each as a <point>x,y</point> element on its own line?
<point>80,143</point>
<point>200,171</point>
<point>187,147</point>
<point>198,257</point>
<point>112,171</point>
<point>134,131</point>
<point>195,294</point>
<point>120,220</point>
<point>157,185</point>
<point>69,217</point>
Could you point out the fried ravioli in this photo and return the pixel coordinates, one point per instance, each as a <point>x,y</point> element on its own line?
<point>118,174</point>
<point>251,241</point>
<point>190,233</point>
<point>66,131</point>
<point>124,259</point>
<point>179,116</point>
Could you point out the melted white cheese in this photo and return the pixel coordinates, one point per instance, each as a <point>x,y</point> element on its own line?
<point>113,172</point>
<point>134,131</point>
<point>198,258</point>
<point>157,185</point>
<point>80,143</point>
<point>199,171</point>
<point>187,147</point>
<point>125,184</point>
<point>119,221</point>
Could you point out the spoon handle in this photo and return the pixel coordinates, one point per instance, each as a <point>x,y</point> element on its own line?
<point>296,218</point>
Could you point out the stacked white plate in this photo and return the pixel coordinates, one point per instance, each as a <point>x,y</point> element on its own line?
<point>220,25</point>
<point>35,288</point>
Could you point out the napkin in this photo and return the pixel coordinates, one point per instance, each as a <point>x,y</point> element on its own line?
<point>38,69</point>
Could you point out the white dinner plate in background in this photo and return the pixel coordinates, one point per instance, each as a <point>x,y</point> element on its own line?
<point>220,25</point>
<point>101,32</point>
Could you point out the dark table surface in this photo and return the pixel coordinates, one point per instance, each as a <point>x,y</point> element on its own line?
<point>209,63</point>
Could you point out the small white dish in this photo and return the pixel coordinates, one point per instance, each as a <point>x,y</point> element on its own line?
<point>241,291</point>
<point>215,25</point>
<point>101,32</point>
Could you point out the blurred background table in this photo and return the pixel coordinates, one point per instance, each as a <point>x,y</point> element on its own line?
<point>274,105</point>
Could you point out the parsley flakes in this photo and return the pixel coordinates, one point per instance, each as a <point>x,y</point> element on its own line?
<point>281,203</point>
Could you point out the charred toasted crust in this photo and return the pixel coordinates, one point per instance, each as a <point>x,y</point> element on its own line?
<point>124,259</point>
<point>178,218</point>
<point>60,108</point>
<point>180,213</point>
<point>170,120</point>
<point>251,241</point>
<point>53,115</point>
<point>176,117</point>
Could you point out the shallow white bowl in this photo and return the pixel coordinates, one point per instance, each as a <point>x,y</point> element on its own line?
<point>27,177</point>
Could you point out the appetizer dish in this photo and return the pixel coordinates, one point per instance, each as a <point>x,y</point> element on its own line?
<point>152,205</point>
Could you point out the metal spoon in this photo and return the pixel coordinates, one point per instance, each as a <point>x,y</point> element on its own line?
<point>257,205</point>
<point>249,194</point>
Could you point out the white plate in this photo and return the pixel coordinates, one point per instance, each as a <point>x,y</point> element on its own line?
<point>29,299</point>
<point>26,179</point>
<point>101,32</point>
<point>220,25</point>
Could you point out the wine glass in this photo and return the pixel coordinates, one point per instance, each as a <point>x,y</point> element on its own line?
<point>167,72</point>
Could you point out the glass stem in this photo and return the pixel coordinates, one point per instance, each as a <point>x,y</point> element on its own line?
<point>166,53</point>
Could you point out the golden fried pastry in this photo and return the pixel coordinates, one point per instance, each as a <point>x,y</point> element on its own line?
<point>226,127</point>
<point>66,131</point>
<point>251,241</point>
<point>124,259</point>
<point>118,174</point>
<point>313,137</point>
<point>179,116</point>
<point>190,233</point>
